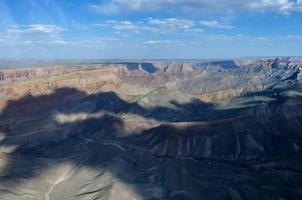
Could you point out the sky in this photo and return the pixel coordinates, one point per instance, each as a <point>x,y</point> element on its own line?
<point>149,29</point>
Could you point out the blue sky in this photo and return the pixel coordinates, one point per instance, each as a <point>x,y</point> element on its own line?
<point>148,29</point>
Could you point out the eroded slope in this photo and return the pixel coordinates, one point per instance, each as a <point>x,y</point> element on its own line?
<point>162,130</point>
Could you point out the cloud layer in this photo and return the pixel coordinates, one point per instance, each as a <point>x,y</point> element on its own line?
<point>153,25</point>
<point>215,24</point>
<point>36,28</point>
<point>218,6</point>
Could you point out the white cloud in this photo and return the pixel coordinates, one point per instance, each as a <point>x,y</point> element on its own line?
<point>172,23</point>
<point>152,25</point>
<point>96,41</point>
<point>216,25</point>
<point>217,6</point>
<point>109,8</point>
<point>283,6</point>
<point>58,42</point>
<point>161,42</point>
<point>238,37</point>
<point>36,28</point>
<point>34,42</point>
<point>194,30</point>
<point>124,25</point>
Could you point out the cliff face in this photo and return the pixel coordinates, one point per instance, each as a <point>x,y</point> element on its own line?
<point>158,130</point>
<point>197,78</point>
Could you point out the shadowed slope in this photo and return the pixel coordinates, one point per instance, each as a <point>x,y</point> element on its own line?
<point>251,152</point>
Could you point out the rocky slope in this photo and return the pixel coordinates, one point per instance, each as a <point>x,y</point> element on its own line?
<point>156,130</point>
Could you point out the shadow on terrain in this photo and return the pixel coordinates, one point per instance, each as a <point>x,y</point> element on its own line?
<point>29,124</point>
<point>230,64</point>
<point>148,67</point>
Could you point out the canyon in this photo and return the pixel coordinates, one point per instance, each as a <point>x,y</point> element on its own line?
<point>163,129</point>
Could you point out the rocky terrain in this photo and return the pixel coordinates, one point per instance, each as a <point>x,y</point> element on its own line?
<point>152,130</point>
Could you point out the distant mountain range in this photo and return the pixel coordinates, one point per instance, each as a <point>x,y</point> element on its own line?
<point>4,63</point>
